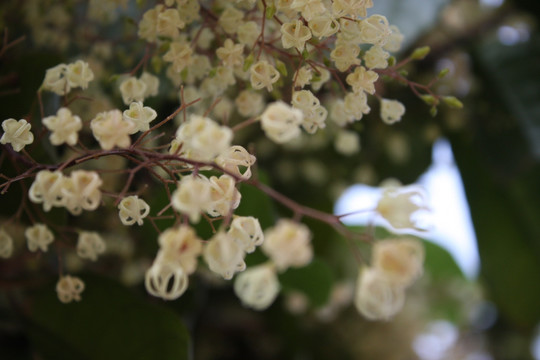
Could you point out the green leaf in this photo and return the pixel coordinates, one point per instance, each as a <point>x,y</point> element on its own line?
<point>514,72</point>
<point>439,263</point>
<point>110,322</point>
<point>314,280</point>
<point>257,204</point>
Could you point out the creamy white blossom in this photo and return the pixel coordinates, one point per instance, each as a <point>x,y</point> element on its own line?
<point>247,232</point>
<point>281,122</point>
<point>376,298</point>
<point>69,288</point>
<point>258,286</point>
<point>288,244</point>
<point>6,244</point>
<point>39,237</point>
<point>141,116</point>
<point>224,255</point>
<point>64,127</point>
<point>90,245</point>
<point>133,210</point>
<point>16,133</point>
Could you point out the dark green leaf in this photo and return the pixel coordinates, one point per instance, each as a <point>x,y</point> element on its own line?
<point>314,280</point>
<point>109,322</point>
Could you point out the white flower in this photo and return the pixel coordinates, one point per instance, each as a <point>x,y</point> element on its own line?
<point>354,8</point>
<point>344,56</point>
<point>151,82</point>
<point>133,210</point>
<point>295,34</point>
<point>376,58</point>
<point>192,196</point>
<point>394,40</point>
<point>141,116</point>
<point>391,111</point>
<point>224,197</point>
<point>237,161</point>
<point>263,75</point>
<point>288,244</point>
<point>376,298</point>
<point>166,280</point>
<point>202,138</point>
<point>249,103</point>
<point>90,245</point>
<point>180,245</point>
<point>323,25</point>
<point>16,133</point>
<point>69,288</point>
<point>258,286</point>
<point>47,189</point>
<point>81,191</point>
<point>231,54</point>
<point>281,122</point>
<point>399,260</point>
<point>224,256</point>
<point>56,81</point>
<point>399,205</point>
<point>375,30</point>
<point>168,23</point>
<point>362,80</point>
<point>179,55</point>
<point>64,126</point>
<point>347,142</point>
<point>133,89</point>
<point>247,232</point>
<point>38,237</point>
<point>79,74</point>
<point>110,129</point>
<point>230,19</point>
<point>6,244</point>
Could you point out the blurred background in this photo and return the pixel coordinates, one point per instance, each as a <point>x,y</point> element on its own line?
<point>479,298</point>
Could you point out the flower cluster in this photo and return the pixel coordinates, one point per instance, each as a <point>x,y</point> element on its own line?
<point>396,264</point>
<point>77,192</point>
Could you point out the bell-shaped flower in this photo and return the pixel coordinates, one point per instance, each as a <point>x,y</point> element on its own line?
<point>192,196</point>
<point>38,237</point>
<point>224,256</point>
<point>288,244</point>
<point>89,245</point>
<point>180,245</point>
<point>6,244</point>
<point>110,129</point>
<point>81,191</point>
<point>400,207</point>
<point>263,75</point>
<point>281,122</point>
<point>64,127</point>
<point>47,188</point>
<point>237,161</point>
<point>133,89</point>
<point>258,286</point>
<point>247,232</point>
<point>391,111</point>
<point>295,34</point>
<point>224,197</point>
<point>133,210</point>
<point>166,280</point>
<point>400,260</point>
<point>376,298</point>
<point>362,80</point>
<point>69,288</point>
<point>16,133</point>
<point>141,116</point>
<point>79,74</point>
